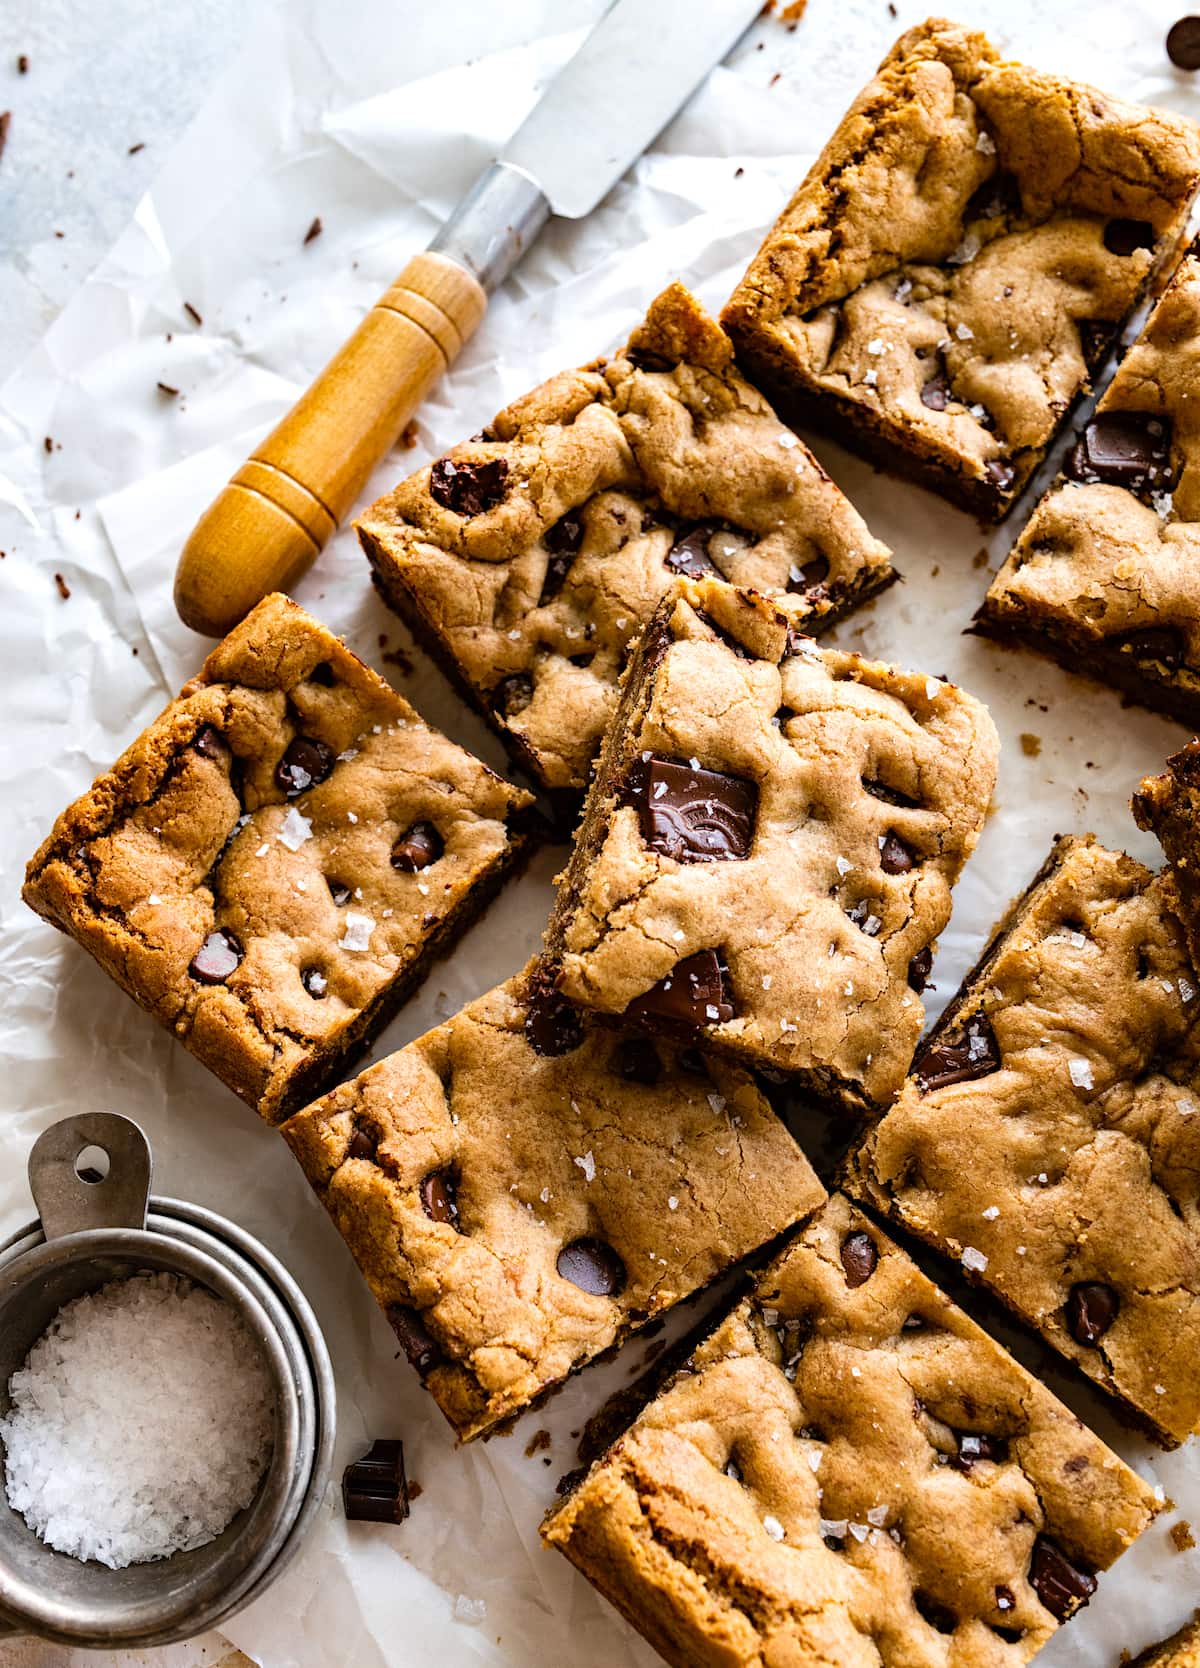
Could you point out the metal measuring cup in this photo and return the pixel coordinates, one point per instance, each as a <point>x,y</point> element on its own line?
<point>95,1228</point>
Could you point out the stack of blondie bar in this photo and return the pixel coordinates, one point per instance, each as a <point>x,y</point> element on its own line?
<point>625,573</point>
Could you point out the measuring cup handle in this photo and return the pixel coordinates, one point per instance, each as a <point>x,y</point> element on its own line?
<point>111,1193</point>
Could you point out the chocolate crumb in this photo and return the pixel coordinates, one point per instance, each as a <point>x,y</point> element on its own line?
<point>23,65</point>
<point>408,435</point>
<point>165,388</point>
<point>1181,1535</point>
<point>415,1491</point>
<point>5,123</point>
<point>398,658</point>
<point>778,76</point>
<point>48,443</point>
<point>738,172</point>
<point>314,230</point>
<point>192,313</point>
<point>1031,745</point>
<point>539,1441</point>
<point>64,590</point>
<point>134,149</point>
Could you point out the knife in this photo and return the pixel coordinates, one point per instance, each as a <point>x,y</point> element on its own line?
<point>640,63</point>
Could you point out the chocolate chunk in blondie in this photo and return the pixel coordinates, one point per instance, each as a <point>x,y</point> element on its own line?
<point>1169,806</point>
<point>1105,577</point>
<point>529,559</point>
<point>271,867</point>
<point>767,852</point>
<point>517,1209</point>
<point>1049,1136</point>
<point>849,1470</point>
<point>958,261</point>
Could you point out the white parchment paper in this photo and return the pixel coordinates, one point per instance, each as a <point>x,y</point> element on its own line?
<point>375,115</point>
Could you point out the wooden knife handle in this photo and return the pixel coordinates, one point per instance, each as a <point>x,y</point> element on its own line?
<point>266,527</point>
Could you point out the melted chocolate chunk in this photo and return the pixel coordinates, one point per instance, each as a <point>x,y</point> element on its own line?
<point>218,957</point>
<point>938,1615</point>
<point>323,674</point>
<point>997,196</point>
<point>689,554</point>
<point>439,1196</point>
<point>415,1339</point>
<point>1123,448</point>
<point>808,574</point>
<point>469,488</point>
<point>691,814</point>
<point>1060,1584</point>
<point>973,1447</point>
<point>859,1257</point>
<point>361,1145</point>
<point>1091,1308</point>
<point>936,393</point>
<point>562,541</point>
<point>338,890</point>
<point>637,1061</point>
<point>306,761</point>
<point>1000,474</point>
<point>593,1266</point>
<point>209,742</point>
<point>694,992</point>
<point>512,694</point>
<point>1122,237</point>
<point>552,1026</point>
<point>1165,644</point>
<point>891,796</point>
<point>1183,43</point>
<point>374,1488</point>
<point>976,1056</point>
<point>315,983</point>
<point>1006,1600</point>
<point>416,849</point>
<point>894,856</point>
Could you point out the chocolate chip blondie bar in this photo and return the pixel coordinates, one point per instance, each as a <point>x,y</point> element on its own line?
<point>848,1470</point>
<point>528,559</point>
<point>768,849</point>
<point>1168,805</point>
<point>1105,577</point>
<point>1049,1136</point>
<point>1181,1650</point>
<point>271,867</point>
<point>958,261</point>
<point>522,1189</point>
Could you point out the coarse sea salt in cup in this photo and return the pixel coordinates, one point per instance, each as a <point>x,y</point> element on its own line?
<point>140,1424</point>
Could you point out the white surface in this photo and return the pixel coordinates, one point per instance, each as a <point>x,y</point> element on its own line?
<point>310,121</point>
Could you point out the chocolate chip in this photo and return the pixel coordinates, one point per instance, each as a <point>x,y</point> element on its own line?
<point>891,796</point>
<point>1005,1600</point>
<point>338,890</point>
<point>936,393</point>
<point>947,1062</point>
<point>209,742</point>
<point>1183,43</point>
<point>552,1026</point>
<point>938,1615</point>
<point>306,761</point>
<point>1123,448</point>
<point>1001,475</point>
<point>691,1061</point>
<point>973,1447</point>
<point>894,856</point>
<point>323,674</point>
<point>997,196</point>
<point>637,1061</point>
<point>1122,237</point>
<point>693,815</point>
<point>416,849</point>
<point>361,1145</point>
<point>859,1257</point>
<point>1091,1308</point>
<point>415,1339</point>
<point>468,488</point>
<point>809,574</point>
<point>562,541</point>
<point>593,1266</point>
<point>217,957</point>
<point>1060,1584</point>
<point>863,915</point>
<point>439,1196</point>
<point>694,992</point>
<point>314,982</point>
<point>374,1488</point>
<point>689,554</point>
<point>512,694</point>
<point>1165,644</point>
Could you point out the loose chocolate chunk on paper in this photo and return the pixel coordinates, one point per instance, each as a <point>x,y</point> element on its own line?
<point>417,848</point>
<point>694,992</point>
<point>1123,448</point>
<point>691,814</point>
<point>218,957</point>
<point>469,488</point>
<point>593,1266</point>
<point>1060,1584</point>
<point>859,1257</point>
<point>976,1056</point>
<point>374,1488</point>
<point>306,761</point>
<point>1092,1307</point>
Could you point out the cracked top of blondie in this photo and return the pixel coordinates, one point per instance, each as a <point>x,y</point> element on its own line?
<point>268,865</point>
<point>1110,560</point>
<point>768,850</point>
<point>530,557</point>
<point>522,1189</point>
<point>1049,1135</point>
<point>961,254</point>
<point>848,1470</point>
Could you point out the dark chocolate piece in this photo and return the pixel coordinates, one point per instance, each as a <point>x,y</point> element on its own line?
<point>689,554</point>
<point>694,815</point>
<point>218,957</point>
<point>1091,1308</point>
<point>593,1266</point>
<point>439,1196</point>
<point>305,762</point>
<point>469,488</point>
<point>946,1062</point>
<point>1062,1587</point>
<point>694,992</point>
<point>1123,448</point>
<point>374,1488</point>
<point>417,848</point>
<point>859,1257</point>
